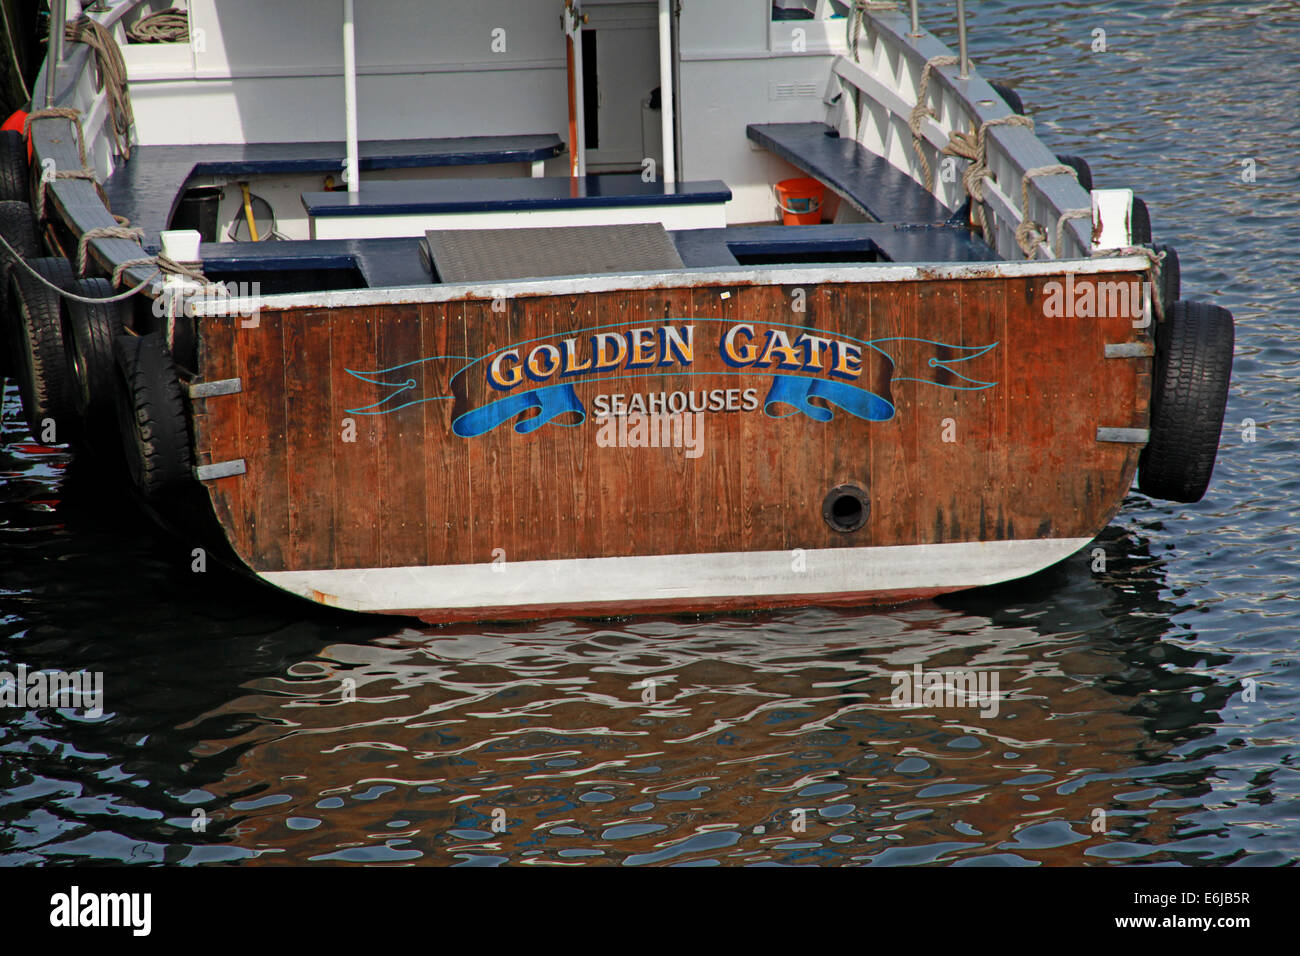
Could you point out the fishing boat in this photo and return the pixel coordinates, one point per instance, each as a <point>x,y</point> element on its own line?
<point>567,307</point>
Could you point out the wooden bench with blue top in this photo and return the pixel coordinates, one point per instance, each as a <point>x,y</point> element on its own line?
<point>856,243</point>
<point>147,187</point>
<point>412,207</point>
<point>861,178</point>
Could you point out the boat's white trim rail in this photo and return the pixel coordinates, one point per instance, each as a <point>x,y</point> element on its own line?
<point>791,276</point>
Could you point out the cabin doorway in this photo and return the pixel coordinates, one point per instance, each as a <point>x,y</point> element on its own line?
<point>620,85</point>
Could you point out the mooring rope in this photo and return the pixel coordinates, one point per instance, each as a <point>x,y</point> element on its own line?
<point>860,7</point>
<point>973,146</point>
<point>111,71</point>
<point>1029,233</point>
<point>1066,216</point>
<point>131,233</point>
<point>59,112</point>
<point>85,172</point>
<point>166,26</point>
<point>1156,262</point>
<point>162,265</point>
<point>165,266</point>
<point>17,257</point>
<point>11,41</point>
<point>922,111</point>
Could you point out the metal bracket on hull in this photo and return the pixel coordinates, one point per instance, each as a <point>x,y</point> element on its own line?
<point>1129,436</point>
<point>1130,350</point>
<point>225,386</point>
<point>220,469</point>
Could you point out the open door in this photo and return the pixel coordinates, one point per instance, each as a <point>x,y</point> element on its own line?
<point>617,85</point>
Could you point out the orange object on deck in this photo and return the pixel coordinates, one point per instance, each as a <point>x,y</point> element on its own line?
<point>800,201</point>
<point>18,123</point>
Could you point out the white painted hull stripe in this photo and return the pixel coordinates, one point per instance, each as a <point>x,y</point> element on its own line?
<point>679,577</point>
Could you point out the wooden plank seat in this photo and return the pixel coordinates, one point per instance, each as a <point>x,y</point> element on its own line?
<point>857,242</point>
<point>412,207</point>
<point>148,186</point>
<point>860,177</point>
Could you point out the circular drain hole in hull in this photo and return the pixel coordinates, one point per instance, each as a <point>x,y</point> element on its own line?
<point>846,508</point>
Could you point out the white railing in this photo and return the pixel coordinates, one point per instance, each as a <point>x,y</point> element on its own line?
<point>881,88</point>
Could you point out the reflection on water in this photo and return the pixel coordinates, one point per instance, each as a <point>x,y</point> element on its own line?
<point>300,736</point>
<point>1147,711</point>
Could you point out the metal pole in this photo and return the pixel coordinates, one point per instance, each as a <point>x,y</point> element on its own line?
<point>573,21</point>
<point>961,39</point>
<point>666,93</point>
<point>916,20</point>
<point>350,95</point>
<point>54,55</point>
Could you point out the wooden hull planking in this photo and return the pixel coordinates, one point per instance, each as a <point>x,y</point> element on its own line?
<point>376,437</point>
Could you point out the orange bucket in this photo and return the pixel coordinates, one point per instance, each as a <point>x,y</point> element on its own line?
<point>800,201</point>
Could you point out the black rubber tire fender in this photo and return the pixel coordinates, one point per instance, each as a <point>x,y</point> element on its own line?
<point>19,230</point>
<point>1081,168</point>
<point>14,182</point>
<point>151,414</point>
<point>1140,223</point>
<point>90,330</point>
<point>1009,96</point>
<point>37,347</point>
<point>18,226</point>
<point>1193,366</point>
<point>1171,278</point>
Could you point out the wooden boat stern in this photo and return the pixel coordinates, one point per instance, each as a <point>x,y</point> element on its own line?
<point>498,443</point>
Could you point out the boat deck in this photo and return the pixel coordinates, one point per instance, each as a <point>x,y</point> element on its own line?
<point>860,177</point>
<point>148,186</point>
<point>373,239</point>
<point>388,263</point>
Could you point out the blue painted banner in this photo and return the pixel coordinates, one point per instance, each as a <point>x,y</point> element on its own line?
<point>811,373</point>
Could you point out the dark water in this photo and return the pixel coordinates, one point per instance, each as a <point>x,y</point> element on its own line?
<point>1123,689</point>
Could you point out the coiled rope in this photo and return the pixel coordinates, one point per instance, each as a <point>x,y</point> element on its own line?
<point>110,70</point>
<point>165,26</point>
